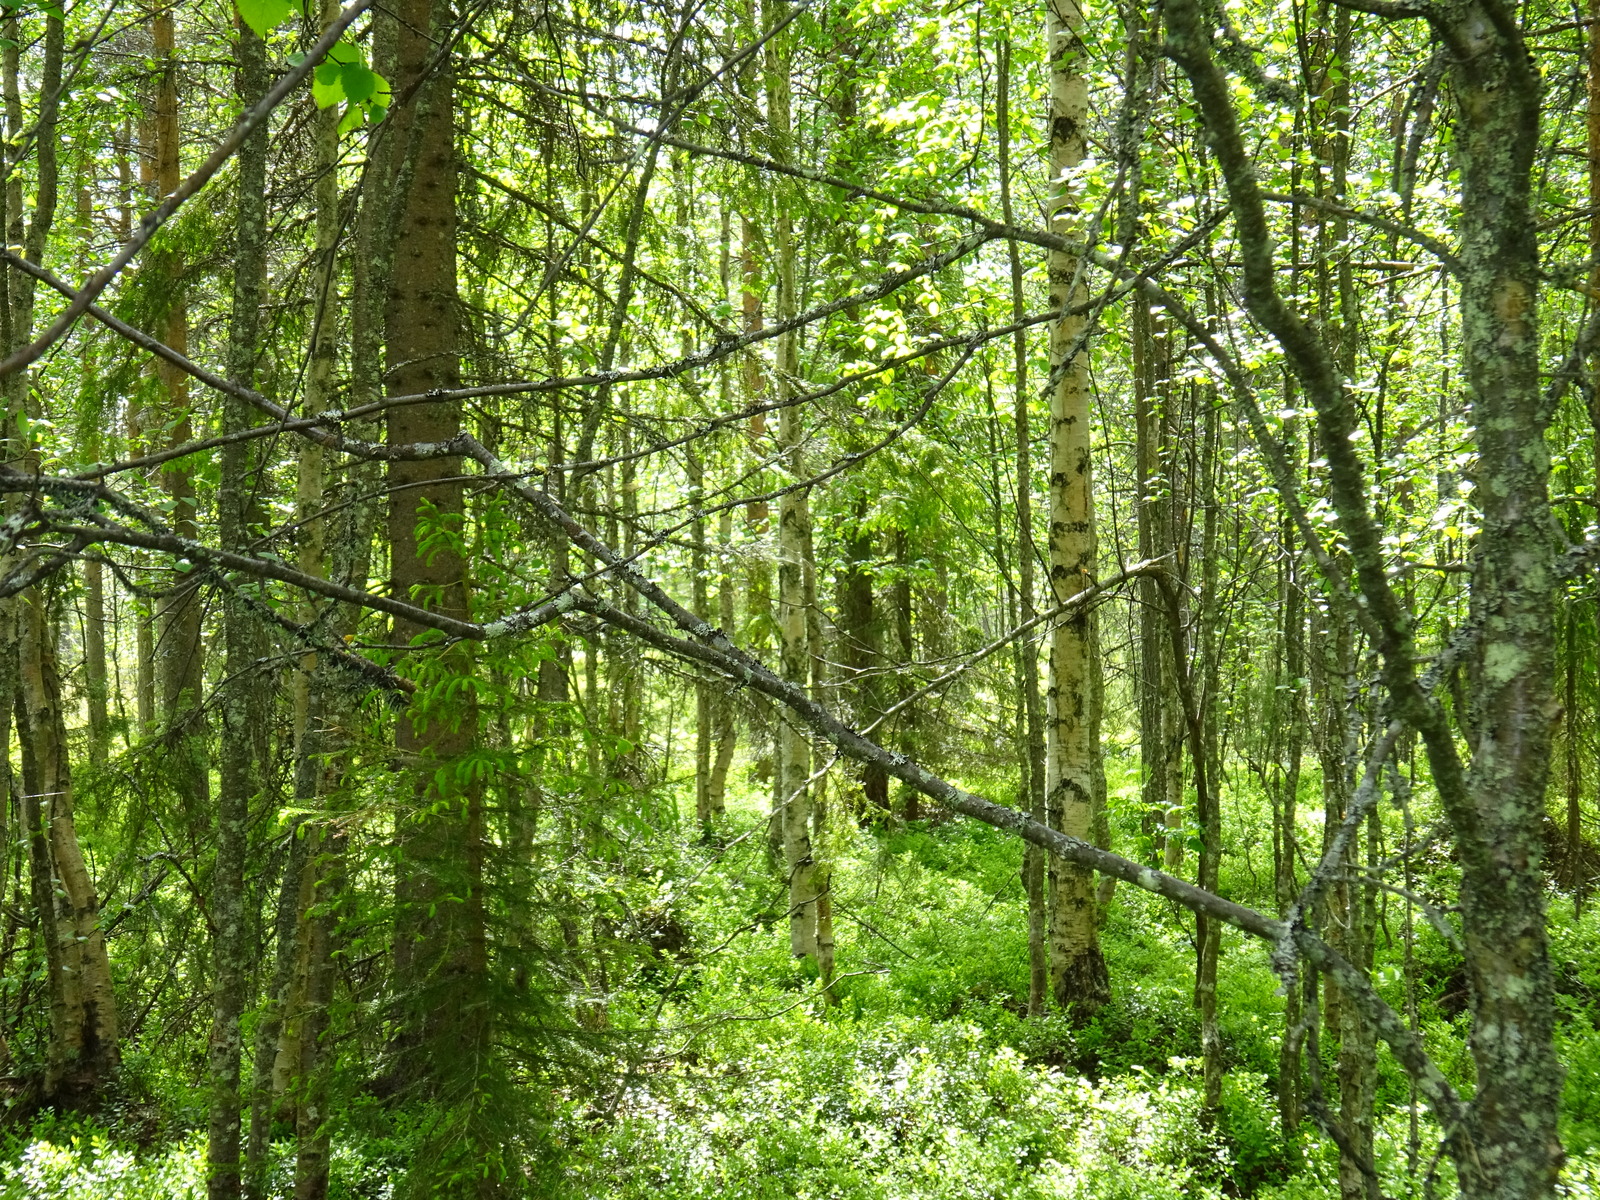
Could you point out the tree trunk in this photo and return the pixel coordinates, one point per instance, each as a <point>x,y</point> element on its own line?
<point>287,1053</point>
<point>905,645</point>
<point>1077,969</point>
<point>758,622</point>
<point>96,692</point>
<point>440,950</point>
<point>1497,91</point>
<point>84,1052</point>
<point>179,653</point>
<point>1506,1146</point>
<point>860,651</point>
<point>722,703</point>
<point>1286,717</point>
<point>794,519</point>
<point>703,684</point>
<point>1580,885</point>
<point>1207,755</point>
<point>236,777</point>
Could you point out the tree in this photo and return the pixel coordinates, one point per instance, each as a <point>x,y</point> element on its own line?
<point>1077,968</point>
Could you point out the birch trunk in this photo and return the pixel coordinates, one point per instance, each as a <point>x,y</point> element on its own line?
<point>84,1052</point>
<point>1077,969</point>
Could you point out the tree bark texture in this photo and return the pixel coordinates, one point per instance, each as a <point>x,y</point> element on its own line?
<point>179,653</point>
<point>440,952</point>
<point>84,1052</point>
<point>237,778</point>
<point>1077,969</point>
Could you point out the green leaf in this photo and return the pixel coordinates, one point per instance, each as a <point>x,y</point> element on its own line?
<point>344,54</point>
<point>352,119</point>
<point>264,15</point>
<point>327,86</point>
<point>359,82</point>
<point>378,105</point>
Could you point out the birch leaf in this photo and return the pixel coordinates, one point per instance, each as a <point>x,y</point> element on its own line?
<point>264,15</point>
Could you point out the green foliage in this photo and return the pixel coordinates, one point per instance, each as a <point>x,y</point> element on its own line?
<point>344,76</point>
<point>893,1108</point>
<point>84,1164</point>
<point>264,16</point>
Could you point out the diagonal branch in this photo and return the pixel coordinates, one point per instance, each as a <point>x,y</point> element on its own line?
<point>711,648</point>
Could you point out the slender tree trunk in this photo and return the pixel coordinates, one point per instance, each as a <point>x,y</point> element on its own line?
<point>237,778</point>
<point>1154,485</point>
<point>793,746</point>
<point>906,648</point>
<point>286,1050</point>
<point>722,705</point>
<point>817,661</point>
<point>84,1052</point>
<point>1574,874</point>
<point>699,568</point>
<point>265,1089</point>
<point>179,652</point>
<point>1077,969</point>
<point>860,651</point>
<point>759,622</point>
<point>1288,732</point>
<point>1207,756</point>
<point>724,733</point>
<point>95,688</point>
<point>1350,904</point>
<point>313,1140</point>
<point>1580,886</point>
<point>141,144</point>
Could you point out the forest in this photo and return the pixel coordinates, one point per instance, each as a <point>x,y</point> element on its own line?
<point>800,598</point>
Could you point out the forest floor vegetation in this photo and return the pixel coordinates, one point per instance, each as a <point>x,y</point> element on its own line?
<point>731,1076</point>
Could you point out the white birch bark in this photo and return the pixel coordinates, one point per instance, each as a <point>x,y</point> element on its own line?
<point>1077,970</point>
